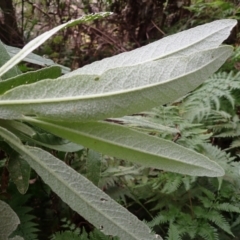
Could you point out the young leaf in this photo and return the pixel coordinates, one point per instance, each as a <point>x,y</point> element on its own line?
<point>125,143</point>
<point>81,194</point>
<point>8,220</point>
<point>116,92</point>
<point>43,37</point>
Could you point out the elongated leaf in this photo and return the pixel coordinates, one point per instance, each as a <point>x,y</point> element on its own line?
<point>117,92</point>
<point>143,123</point>
<point>4,58</point>
<point>52,142</point>
<point>26,133</point>
<point>19,171</point>
<point>121,142</point>
<point>30,77</point>
<point>17,127</point>
<point>43,37</point>
<point>81,194</point>
<point>8,220</point>
<point>191,41</point>
<point>36,59</point>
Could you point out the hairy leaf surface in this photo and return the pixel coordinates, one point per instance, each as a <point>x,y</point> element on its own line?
<point>36,59</point>
<point>8,220</point>
<point>185,43</point>
<point>116,92</point>
<point>81,194</point>
<point>4,58</point>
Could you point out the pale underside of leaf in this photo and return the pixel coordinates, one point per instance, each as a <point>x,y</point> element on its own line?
<point>4,58</point>
<point>117,92</point>
<point>36,59</point>
<point>128,144</point>
<point>8,220</point>
<point>81,194</point>
<point>187,42</point>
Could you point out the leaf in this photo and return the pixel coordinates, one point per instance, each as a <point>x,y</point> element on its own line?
<point>50,141</point>
<point>116,92</point>
<point>43,37</point>
<point>19,171</point>
<point>26,133</point>
<point>8,220</point>
<point>125,143</point>
<point>144,123</point>
<point>29,77</point>
<point>36,59</point>
<point>4,58</point>
<point>80,194</point>
<point>185,43</point>
<point>93,166</point>
<point>17,127</point>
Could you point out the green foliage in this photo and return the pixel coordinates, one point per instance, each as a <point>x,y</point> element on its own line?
<point>212,10</point>
<point>74,107</point>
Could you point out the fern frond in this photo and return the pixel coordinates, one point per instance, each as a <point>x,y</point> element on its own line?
<point>210,94</point>
<point>227,207</point>
<point>172,184</point>
<point>73,235</point>
<point>214,217</point>
<point>235,144</point>
<point>208,232</point>
<point>159,219</point>
<point>27,227</point>
<point>208,193</point>
<point>66,235</point>
<point>173,232</point>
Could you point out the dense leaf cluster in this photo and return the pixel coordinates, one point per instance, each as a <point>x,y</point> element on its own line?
<point>74,106</point>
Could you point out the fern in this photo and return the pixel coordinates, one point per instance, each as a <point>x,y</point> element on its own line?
<point>215,217</point>
<point>27,228</point>
<point>208,232</point>
<point>173,233</point>
<point>73,235</point>
<point>199,104</point>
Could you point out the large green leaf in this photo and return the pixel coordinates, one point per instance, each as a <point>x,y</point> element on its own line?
<point>43,37</point>
<point>8,220</point>
<point>187,42</point>
<point>117,92</point>
<point>125,143</point>
<point>81,194</point>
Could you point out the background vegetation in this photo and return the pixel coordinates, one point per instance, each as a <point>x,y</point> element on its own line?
<point>207,120</point>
